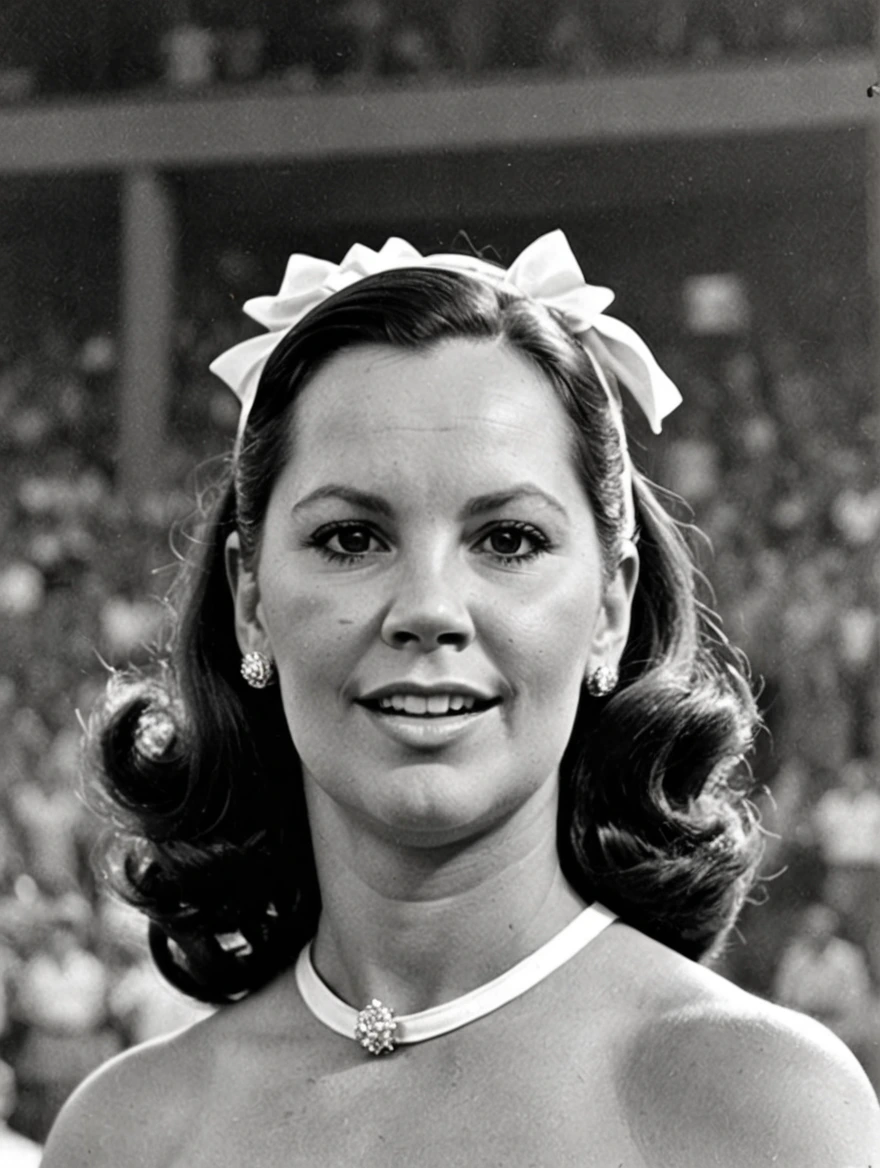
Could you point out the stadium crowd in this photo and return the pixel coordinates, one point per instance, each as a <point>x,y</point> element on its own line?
<point>79,594</point>
<point>64,47</point>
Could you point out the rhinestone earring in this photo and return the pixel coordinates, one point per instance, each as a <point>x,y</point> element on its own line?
<point>257,669</point>
<point>602,681</point>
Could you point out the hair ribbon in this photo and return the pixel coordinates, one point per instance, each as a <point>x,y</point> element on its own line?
<point>546,271</point>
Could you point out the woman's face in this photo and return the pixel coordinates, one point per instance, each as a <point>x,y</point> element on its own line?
<point>430,587</point>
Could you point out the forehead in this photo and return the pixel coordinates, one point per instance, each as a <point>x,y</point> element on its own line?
<point>463,406</point>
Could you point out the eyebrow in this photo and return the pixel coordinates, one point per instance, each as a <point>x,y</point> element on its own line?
<point>366,500</point>
<point>480,505</point>
<point>496,500</point>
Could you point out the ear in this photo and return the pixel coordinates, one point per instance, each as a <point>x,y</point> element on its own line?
<point>612,626</point>
<point>249,629</point>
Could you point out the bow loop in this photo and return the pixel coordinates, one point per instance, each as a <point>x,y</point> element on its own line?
<point>619,348</point>
<point>547,271</point>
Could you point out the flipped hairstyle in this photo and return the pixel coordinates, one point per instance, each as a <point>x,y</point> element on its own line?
<point>198,771</point>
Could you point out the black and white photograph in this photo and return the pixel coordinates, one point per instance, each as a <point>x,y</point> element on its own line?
<point>439,583</point>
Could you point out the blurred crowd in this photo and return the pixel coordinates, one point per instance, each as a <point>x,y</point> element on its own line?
<point>830,966</point>
<point>776,453</point>
<point>51,47</point>
<point>81,582</point>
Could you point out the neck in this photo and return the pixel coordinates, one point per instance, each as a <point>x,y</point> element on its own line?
<point>416,926</point>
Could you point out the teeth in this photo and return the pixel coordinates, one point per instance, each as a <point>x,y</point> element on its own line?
<point>435,704</point>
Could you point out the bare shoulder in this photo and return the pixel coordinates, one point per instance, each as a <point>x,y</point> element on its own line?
<point>714,1074</point>
<point>138,1108</point>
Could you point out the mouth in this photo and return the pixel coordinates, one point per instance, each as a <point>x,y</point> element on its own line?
<point>429,706</point>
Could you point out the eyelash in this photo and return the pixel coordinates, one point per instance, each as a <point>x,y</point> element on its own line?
<point>321,538</point>
<point>320,541</point>
<point>540,543</point>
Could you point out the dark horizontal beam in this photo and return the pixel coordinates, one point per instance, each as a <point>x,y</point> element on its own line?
<point>263,125</point>
<point>554,185</point>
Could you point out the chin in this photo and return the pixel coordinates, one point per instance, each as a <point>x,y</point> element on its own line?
<point>425,812</point>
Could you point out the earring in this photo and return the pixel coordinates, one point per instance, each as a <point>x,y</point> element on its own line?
<point>602,681</point>
<point>257,669</point>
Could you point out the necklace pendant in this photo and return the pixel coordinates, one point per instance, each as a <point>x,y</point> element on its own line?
<point>375,1027</point>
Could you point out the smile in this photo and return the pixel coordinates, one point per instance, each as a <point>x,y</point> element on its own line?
<point>415,725</point>
<point>435,705</point>
<point>424,717</point>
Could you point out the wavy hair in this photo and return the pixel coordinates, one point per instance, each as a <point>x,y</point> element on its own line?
<point>199,774</point>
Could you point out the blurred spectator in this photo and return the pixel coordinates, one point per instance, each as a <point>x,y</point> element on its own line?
<point>16,1151</point>
<point>22,589</point>
<point>474,27</point>
<point>146,1007</point>
<point>240,53</point>
<point>821,974</point>
<point>726,27</point>
<point>358,28</point>
<point>128,624</point>
<point>846,822</point>
<point>188,49</point>
<point>141,1004</point>
<point>671,32</point>
<point>570,43</point>
<point>805,24</point>
<point>827,977</point>
<point>62,987</point>
<point>411,51</point>
<point>16,83</point>
<point>45,806</point>
<point>61,997</point>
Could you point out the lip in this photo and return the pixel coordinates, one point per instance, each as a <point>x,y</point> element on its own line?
<point>427,733</point>
<point>426,691</point>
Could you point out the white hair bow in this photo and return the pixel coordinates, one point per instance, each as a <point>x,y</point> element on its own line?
<point>546,271</point>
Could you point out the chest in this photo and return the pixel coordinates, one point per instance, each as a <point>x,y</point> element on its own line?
<point>515,1100</point>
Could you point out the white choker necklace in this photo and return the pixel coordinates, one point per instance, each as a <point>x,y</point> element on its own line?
<point>376,1028</point>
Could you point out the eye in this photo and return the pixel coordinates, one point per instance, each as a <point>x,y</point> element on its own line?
<point>507,541</point>
<point>514,543</point>
<point>346,542</point>
<point>353,540</point>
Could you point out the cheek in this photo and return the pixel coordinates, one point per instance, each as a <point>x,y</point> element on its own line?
<point>311,630</point>
<point>315,645</point>
<point>545,641</point>
<point>543,654</point>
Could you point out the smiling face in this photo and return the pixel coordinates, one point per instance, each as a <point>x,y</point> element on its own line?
<point>431,588</point>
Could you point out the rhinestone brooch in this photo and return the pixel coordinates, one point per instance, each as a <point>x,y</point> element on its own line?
<point>375,1027</point>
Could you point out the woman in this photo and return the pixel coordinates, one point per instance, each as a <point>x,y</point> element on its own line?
<point>443,702</point>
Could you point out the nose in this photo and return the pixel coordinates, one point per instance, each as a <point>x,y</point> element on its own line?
<point>428,610</point>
